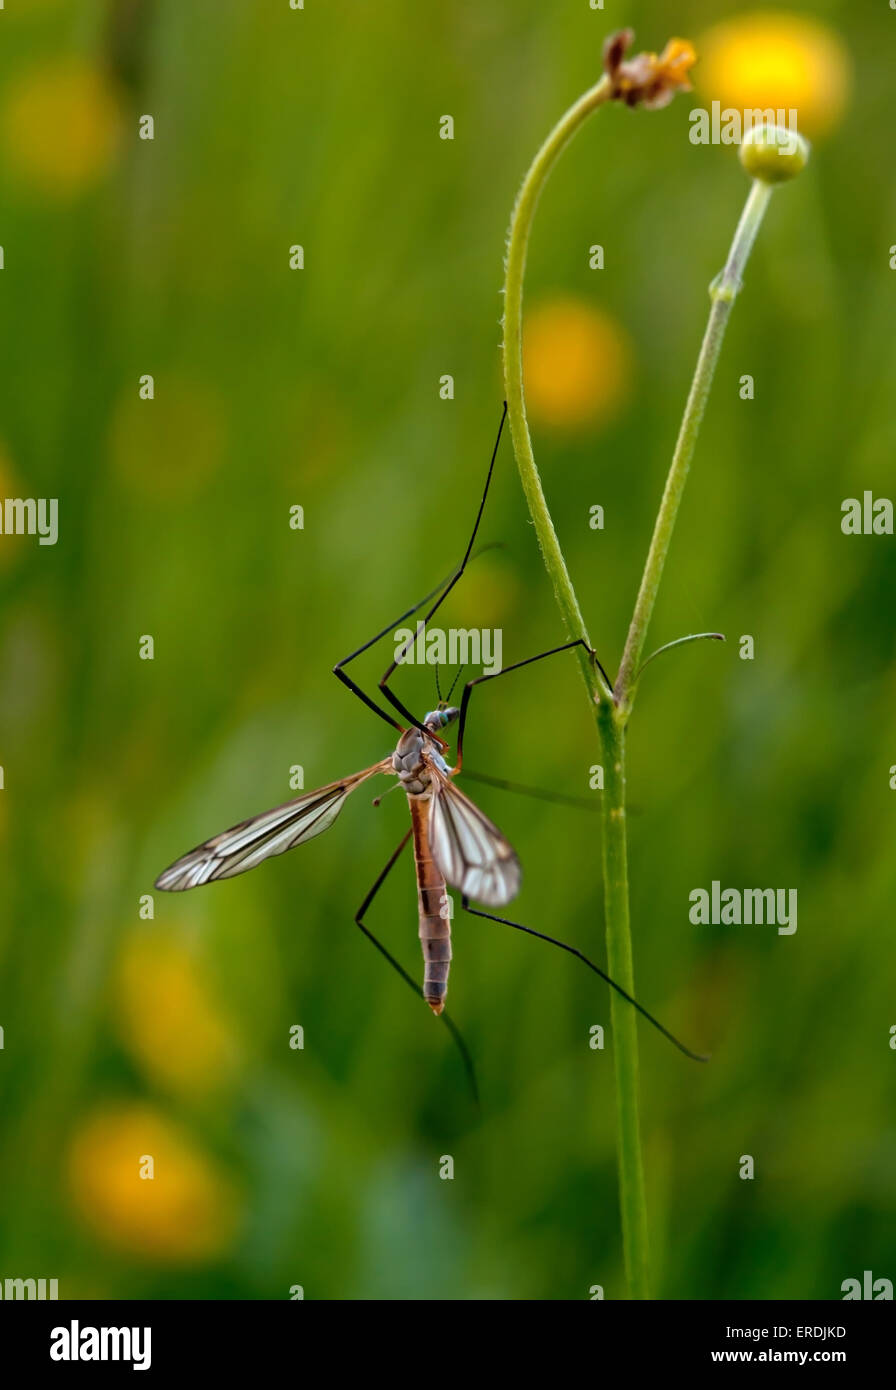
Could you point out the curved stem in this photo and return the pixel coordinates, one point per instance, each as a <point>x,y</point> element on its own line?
<point>515,266</point>
<point>679,642</point>
<point>611,731</point>
<point>613,707</point>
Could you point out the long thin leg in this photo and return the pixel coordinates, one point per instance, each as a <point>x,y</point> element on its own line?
<point>383,685</point>
<point>359,922</point>
<point>356,689</point>
<point>347,680</point>
<point>582,803</point>
<point>530,931</point>
<point>469,687</point>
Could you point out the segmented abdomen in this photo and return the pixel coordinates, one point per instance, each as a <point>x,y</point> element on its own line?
<point>435,929</point>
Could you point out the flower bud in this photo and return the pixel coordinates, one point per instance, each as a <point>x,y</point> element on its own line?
<point>773,153</point>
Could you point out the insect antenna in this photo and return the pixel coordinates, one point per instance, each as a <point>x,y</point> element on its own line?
<point>454,683</point>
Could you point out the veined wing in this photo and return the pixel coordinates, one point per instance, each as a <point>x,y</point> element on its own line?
<point>273,832</point>
<point>469,849</point>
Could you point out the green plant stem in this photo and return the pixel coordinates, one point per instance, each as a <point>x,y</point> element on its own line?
<point>632,1199</point>
<point>612,708</point>
<point>620,967</point>
<point>515,267</point>
<point>722,293</point>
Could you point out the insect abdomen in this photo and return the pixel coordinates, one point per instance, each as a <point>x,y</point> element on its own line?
<point>435,929</point>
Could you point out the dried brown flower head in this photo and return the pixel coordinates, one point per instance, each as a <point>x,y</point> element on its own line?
<point>647,80</point>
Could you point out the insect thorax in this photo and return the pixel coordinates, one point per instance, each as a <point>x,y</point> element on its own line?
<point>410,764</point>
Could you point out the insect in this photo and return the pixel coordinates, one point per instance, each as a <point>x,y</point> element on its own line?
<point>455,843</point>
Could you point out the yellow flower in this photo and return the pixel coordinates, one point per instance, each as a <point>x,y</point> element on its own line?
<point>168,1019</point>
<point>780,61</point>
<point>577,364</point>
<point>60,127</point>
<point>186,1212</point>
<point>647,80</point>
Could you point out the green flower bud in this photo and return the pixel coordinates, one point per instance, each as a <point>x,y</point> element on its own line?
<point>773,153</point>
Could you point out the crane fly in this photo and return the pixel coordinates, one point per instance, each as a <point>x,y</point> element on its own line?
<point>455,843</point>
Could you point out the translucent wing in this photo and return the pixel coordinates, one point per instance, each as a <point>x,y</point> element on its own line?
<point>273,832</point>
<point>468,848</point>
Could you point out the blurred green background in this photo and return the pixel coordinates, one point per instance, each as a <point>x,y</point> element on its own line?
<point>169,1037</point>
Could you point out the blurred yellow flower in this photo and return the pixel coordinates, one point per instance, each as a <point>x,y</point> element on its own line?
<point>186,1212</point>
<point>167,1019</point>
<point>776,61</point>
<point>577,364</point>
<point>167,446</point>
<point>60,126</point>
